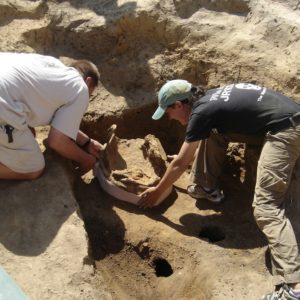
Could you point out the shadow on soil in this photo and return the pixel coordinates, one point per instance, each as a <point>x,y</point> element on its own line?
<point>104,228</point>
<point>105,8</point>
<point>32,212</point>
<point>232,224</point>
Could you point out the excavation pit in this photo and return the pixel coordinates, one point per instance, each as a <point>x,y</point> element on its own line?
<point>136,277</point>
<point>137,46</point>
<point>130,166</point>
<point>162,267</point>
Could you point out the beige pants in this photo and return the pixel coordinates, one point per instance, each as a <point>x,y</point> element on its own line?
<point>23,155</point>
<point>279,156</point>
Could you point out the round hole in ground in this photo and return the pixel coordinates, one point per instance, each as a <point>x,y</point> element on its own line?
<point>162,267</point>
<point>212,233</point>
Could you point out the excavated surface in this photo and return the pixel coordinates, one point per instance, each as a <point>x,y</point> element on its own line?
<point>134,164</point>
<point>208,252</point>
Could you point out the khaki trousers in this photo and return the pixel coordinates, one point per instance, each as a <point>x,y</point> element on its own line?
<point>23,155</point>
<point>279,156</point>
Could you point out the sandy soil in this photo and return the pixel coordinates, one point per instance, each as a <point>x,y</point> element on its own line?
<point>62,237</point>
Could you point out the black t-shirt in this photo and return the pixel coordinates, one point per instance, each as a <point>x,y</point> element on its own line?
<point>238,108</point>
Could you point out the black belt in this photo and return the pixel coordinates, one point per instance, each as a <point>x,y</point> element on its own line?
<point>292,121</point>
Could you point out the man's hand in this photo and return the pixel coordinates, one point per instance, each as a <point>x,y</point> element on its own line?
<point>66,147</point>
<point>149,197</point>
<point>177,166</point>
<point>95,148</point>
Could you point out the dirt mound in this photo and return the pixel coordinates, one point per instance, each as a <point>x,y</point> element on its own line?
<point>213,252</point>
<point>133,165</point>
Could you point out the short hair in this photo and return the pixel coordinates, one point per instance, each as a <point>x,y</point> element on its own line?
<point>87,69</point>
<point>197,93</point>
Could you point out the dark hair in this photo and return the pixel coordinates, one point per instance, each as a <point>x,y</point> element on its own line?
<point>197,93</point>
<point>87,69</point>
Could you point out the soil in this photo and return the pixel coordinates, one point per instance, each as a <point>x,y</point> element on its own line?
<point>62,236</point>
<point>133,165</point>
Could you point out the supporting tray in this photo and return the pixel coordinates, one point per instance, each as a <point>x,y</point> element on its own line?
<point>120,193</point>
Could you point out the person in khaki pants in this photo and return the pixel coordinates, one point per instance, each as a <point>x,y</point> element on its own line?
<point>214,117</point>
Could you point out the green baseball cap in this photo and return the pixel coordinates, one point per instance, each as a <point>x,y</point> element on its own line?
<point>170,92</point>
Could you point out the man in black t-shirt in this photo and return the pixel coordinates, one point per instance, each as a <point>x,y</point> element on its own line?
<point>239,108</point>
<point>255,112</point>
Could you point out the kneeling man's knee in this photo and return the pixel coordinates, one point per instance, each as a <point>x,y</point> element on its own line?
<point>34,175</point>
<point>39,164</point>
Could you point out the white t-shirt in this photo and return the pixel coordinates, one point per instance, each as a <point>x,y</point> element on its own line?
<point>37,90</point>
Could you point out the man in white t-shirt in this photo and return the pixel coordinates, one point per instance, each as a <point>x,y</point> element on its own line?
<point>37,90</point>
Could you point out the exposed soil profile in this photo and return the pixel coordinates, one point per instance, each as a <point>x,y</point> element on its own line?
<point>63,236</point>
<point>134,164</point>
